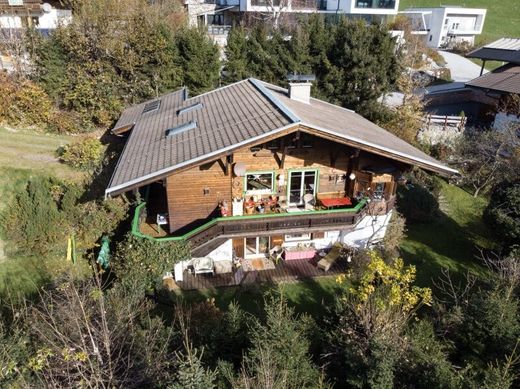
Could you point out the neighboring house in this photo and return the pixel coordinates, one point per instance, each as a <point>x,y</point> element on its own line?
<point>250,167</point>
<point>222,13</point>
<point>446,26</point>
<point>498,84</point>
<point>17,15</point>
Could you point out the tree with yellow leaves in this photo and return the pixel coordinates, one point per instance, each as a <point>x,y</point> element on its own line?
<point>372,315</point>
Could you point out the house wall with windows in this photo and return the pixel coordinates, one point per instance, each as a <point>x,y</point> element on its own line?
<point>310,164</point>
<point>446,26</point>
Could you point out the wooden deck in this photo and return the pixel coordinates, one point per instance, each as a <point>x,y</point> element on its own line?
<point>285,271</point>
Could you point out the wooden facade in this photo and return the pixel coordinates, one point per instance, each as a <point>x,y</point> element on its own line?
<point>194,194</point>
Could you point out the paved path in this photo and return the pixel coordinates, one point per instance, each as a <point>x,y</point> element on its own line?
<point>461,68</point>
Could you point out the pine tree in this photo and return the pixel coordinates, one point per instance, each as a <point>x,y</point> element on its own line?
<point>365,65</point>
<point>279,356</point>
<point>237,66</point>
<point>199,60</point>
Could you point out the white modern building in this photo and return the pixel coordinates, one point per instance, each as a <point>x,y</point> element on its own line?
<point>17,15</point>
<point>447,25</point>
<point>224,12</point>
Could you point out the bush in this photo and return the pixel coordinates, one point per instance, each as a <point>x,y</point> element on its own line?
<point>503,212</point>
<point>417,203</point>
<point>35,220</point>
<point>85,154</point>
<point>27,104</point>
<point>47,211</point>
<point>147,260</point>
<point>394,235</point>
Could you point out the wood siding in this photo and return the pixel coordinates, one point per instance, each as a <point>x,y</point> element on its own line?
<point>194,194</point>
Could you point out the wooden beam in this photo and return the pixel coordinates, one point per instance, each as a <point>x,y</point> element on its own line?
<point>224,166</point>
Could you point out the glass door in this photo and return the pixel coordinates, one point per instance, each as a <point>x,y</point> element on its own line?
<point>300,184</point>
<point>256,247</point>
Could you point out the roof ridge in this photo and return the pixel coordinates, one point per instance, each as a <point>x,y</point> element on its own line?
<point>216,90</point>
<point>277,103</point>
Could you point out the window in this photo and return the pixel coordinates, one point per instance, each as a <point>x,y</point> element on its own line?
<point>259,183</point>
<point>297,237</point>
<point>379,191</point>
<point>256,247</point>
<point>431,38</point>
<point>152,106</point>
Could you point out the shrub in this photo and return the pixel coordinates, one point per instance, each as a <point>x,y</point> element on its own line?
<point>417,203</point>
<point>503,212</point>
<point>394,235</point>
<point>27,104</point>
<point>35,220</point>
<point>147,260</point>
<point>85,154</point>
<point>46,211</point>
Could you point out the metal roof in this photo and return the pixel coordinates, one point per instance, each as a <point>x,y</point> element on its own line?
<point>232,117</point>
<point>504,79</point>
<point>504,49</point>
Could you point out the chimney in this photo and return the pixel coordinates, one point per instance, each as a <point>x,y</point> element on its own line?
<point>300,87</point>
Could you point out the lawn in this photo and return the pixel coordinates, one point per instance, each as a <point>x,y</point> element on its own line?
<point>311,296</point>
<point>451,241</point>
<point>502,18</point>
<point>23,154</point>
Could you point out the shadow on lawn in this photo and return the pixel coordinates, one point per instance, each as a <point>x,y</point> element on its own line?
<point>443,244</point>
<point>312,296</point>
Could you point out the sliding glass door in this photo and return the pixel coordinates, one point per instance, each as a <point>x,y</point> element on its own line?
<point>301,183</point>
<point>256,247</point>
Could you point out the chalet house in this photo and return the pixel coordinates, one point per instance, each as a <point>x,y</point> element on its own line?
<point>252,167</point>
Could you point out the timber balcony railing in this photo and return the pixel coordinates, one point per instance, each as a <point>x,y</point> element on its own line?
<point>264,224</point>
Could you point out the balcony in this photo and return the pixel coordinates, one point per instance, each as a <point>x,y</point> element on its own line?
<point>309,5</point>
<point>377,4</point>
<point>216,231</point>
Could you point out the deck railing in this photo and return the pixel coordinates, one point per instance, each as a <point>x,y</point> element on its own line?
<point>259,224</point>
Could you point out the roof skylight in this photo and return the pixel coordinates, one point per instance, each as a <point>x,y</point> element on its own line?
<point>190,108</point>
<point>181,128</point>
<point>152,106</point>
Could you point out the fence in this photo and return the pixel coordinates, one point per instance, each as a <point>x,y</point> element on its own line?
<point>446,121</point>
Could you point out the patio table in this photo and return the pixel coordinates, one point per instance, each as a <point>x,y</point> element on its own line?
<point>336,202</point>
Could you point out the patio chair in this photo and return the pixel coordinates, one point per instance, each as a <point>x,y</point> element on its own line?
<point>203,265</point>
<point>308,201</point>
<point>328,260</point>
<point>275,254</point>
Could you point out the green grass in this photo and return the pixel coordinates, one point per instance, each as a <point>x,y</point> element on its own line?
<point>451,241</point>
<point>502,17</point>
<point>311,296</point>
<point>24,154</point>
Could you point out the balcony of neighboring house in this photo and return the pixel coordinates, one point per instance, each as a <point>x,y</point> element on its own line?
<point>316,5</point>
<point>375,4</point>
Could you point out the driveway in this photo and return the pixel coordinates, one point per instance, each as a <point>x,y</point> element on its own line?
<point>461,68</point>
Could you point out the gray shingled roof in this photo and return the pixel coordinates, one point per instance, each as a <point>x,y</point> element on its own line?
<point>504,49</point>
<point>242,112</point>
<point>504,79</point>
<point>229,116</point>
<point>352,126</point>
